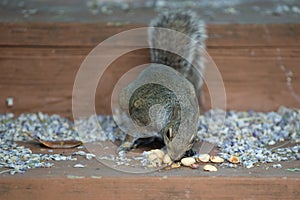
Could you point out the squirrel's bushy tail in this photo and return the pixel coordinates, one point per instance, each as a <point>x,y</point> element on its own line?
<point>190,47</point>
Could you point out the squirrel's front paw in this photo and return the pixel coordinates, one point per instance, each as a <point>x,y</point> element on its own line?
<point>190,153</point>
<point>125,146</point>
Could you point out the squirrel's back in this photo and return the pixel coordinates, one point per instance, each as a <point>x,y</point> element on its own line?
<point>160,99</point>
<point>190,47</point>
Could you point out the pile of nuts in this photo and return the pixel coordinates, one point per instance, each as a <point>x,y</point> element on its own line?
<point>158,158</point>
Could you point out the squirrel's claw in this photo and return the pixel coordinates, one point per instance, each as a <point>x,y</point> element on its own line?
<point>128,144</point>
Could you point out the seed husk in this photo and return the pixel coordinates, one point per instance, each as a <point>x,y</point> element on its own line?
<point>188,161</point>
<point>203,158</point>
<point>154,160</point>
<point>160,154</point>
<point>173,166</point>
<point>195,166</point>
<point>167,160</point>
<point>209,168</point>
<point>234,159</point>
<point>152,157</point>
<point>216,159</point>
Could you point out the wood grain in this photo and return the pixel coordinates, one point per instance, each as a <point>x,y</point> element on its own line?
<point>90,34</point>
<point>151,188</point>
<point>63,181</point>
<point>39,62</point>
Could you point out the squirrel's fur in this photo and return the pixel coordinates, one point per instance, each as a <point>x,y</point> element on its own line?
<point>176,92</point>
<point>190,25</point>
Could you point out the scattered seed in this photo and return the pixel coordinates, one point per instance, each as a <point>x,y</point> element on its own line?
<point>159,153</point>
<point>96,177</point>
<point>203,158</point>
<point>195,166</point>
<point>188,161</point>
<point>79,165</point>
<point>234,159</point>
<point>247,134</point>
<point>80,153</point>
<point>75,177</point>
<point>154,160</point>
<point>167,160</point>
<point>216,159</point>
<point>210,168</point>
<point>152,156</point>
<point>9,102</point>
<point>173,166</point>
<point>90,156</point>
<point>277,166</point>
<point>293,169</point>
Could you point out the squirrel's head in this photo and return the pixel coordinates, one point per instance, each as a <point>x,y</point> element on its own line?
<point>178,143</point>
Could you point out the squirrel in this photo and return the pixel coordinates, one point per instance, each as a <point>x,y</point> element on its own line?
<point>166,94</point>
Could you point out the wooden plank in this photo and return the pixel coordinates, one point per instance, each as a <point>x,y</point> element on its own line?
<point>44,80</point>
<point>40,76</point>
<point>85,34</point>
<point>57,34</point>
<point>249,35</point>
<point>38,64</point>
<point>63,181</point>
<point>151,188</point>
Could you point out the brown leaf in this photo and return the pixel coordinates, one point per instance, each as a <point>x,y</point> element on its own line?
<point>60,144</point>
<point>68,144</point>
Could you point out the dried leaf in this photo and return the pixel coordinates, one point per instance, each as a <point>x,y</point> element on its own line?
<point>60,144</point>
<point>67,144</point>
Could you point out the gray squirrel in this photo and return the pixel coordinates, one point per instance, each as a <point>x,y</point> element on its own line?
<point>166,94</point>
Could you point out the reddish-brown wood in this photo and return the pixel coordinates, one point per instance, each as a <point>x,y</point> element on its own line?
<point>39,62</point>
<point>90,34</point>
<point>151,188</point>
<point>63,181</point>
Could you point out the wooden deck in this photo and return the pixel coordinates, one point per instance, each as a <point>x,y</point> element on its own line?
<point>39,61</point>
<point>95,181</point>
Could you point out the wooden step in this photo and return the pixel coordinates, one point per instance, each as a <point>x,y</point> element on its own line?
<point>39,62</point>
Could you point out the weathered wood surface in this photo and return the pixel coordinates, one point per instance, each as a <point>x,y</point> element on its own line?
<point>151,188</point>
<point>39,61</point>
<point>95,181</point>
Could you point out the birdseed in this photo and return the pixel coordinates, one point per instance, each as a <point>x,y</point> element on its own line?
<point>252,137</point>
<point>248,135</point>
